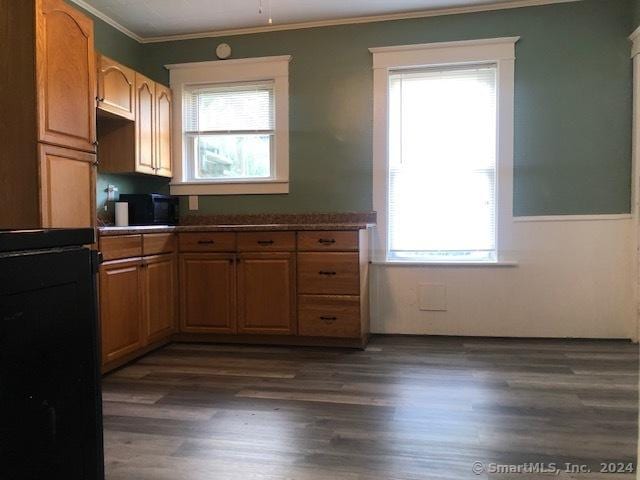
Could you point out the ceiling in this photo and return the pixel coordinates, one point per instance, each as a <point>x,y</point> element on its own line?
<point>147,19</point>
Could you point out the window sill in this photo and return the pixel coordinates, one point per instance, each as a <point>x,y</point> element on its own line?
<point>230,188</point>
<point>396,263</point>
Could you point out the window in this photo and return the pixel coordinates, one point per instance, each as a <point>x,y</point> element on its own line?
<point>231,127</point>
<point>229,131</point>
<point>443,151</point>
<point>442,163</point>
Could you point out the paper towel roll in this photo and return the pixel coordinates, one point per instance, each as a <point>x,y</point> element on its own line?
<point>122,214</point>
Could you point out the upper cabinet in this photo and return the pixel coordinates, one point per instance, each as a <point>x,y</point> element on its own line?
<point>163,131</point>
<point>48,120</point>
<point>145,125</point>
<point>135,135</point>
<point>65,72</point>
<point>116,88</point>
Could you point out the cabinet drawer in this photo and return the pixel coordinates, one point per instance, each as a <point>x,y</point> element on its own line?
<point>328,273</point>
<point>121,246</point>
<point>329,316</point>
<point>266,242</point>
<point>157,243</point>
<point>328,241</point>
<point>207,242</point>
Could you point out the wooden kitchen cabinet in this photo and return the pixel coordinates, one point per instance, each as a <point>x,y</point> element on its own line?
<point>138,295</point>
<point>116,88</point>
<point>208,293</point>
<point>160,289</point>
<point>163,148</point>
<point>266,293</point>
<point>144,144</point>
<point>145,125</point>
<point>48,121</point>
<point>67,188</point>
<point>66,79</point>
<point>121,308</point>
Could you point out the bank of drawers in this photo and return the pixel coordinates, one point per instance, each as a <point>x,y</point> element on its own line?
<point>329,284</point>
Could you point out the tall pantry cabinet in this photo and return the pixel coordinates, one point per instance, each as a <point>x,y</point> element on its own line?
<point>47,115</point>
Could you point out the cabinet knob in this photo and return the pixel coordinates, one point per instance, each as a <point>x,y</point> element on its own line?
<point>206,242</point>
<point>328,274</point>
<point>326,241</point>
<point>265,242</point>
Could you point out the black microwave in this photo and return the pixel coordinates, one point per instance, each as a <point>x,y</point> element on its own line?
<point>151,208</point>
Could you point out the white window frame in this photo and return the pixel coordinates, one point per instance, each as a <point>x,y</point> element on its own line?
<point>274,69</point>
<point>500,51</point>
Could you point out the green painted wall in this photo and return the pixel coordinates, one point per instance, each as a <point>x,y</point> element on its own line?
<point>573,105</point>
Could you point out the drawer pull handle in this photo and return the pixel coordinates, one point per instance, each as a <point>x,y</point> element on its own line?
<point>329,274</point>
<point>206,242</point>
<point>326,241</point>
<point>265,242</point>
<point>328,319</point>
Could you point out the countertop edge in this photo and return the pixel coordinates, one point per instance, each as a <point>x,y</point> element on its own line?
<point>133,230</point>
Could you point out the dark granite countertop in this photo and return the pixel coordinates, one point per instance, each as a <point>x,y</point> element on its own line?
<point>255,222</point>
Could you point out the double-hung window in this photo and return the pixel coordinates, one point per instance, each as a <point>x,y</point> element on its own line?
<point>231,126</point>
<point>229,131</point>
<point>443,151</point>
<point>442,163</point>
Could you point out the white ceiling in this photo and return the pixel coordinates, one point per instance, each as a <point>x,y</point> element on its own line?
<point>159,18</point>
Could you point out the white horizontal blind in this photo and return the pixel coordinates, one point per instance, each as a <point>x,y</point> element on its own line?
<point>227,108</point>
<point>442,163</point>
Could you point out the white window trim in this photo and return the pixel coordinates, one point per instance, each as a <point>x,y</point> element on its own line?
<point>230,71</point>
<point>500,51</point>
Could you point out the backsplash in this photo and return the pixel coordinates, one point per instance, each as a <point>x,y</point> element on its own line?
<point>124,184</point>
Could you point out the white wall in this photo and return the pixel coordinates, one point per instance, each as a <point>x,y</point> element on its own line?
<point>573,279</point>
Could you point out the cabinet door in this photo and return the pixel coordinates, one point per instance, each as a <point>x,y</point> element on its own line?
<point>163,131</point>
<point>121,304</point>
<point>160,296</point>
<point>67,187</point>
<point>66,76</point>
<point>207,293</point>
<point>145,122</point>
<point>266,293</point>
<point>116,88</point>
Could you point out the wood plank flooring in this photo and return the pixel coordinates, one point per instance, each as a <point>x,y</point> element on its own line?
<point>407,408</point>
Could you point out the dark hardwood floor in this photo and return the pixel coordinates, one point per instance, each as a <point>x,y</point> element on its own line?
<point>407,408</point>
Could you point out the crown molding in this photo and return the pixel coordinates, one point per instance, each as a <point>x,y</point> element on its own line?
<point>436,12</point>
<point>107,19</point>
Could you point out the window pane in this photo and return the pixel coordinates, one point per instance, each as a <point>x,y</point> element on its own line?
<point>228,107</point>
<point>232,156</point>
<point>442,156</point>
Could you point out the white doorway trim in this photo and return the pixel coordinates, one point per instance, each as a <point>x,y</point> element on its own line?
<point>635,55</point>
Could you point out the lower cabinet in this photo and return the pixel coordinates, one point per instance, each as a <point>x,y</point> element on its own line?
<point>160,297</point>
<point>121,308</point>
<point>138,299</point>
<point>246,286</point>
<point>252,293</point>
<point>266,293</point>
<point>208,293</point>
